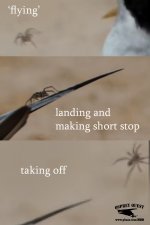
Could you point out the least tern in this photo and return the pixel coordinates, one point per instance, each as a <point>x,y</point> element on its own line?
<point>130,35</point>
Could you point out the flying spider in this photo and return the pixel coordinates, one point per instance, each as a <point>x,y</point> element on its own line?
<point>41,94</point>
<point>27,36</point>
<point>134,159</point>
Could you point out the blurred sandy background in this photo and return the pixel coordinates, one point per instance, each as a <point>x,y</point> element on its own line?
<point>93,176</point>
<point>126,93</point>
<point>69,27</point>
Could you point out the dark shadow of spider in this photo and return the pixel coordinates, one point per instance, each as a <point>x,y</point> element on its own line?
<point>134,159</point>
<point>41,94</point>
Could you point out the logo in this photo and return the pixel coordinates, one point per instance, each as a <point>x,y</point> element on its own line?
<point>129,212</point>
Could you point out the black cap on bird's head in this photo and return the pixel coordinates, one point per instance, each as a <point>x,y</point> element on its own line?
<point>140,10</point>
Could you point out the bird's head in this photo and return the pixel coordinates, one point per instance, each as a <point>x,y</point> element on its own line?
<point>140,10</point>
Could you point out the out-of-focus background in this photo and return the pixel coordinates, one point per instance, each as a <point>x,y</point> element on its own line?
<point>68,27</point>
<point>126,93</point>
<point>93,176</point>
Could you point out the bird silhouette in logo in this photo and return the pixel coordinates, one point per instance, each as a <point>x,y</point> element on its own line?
<point>127,212</point>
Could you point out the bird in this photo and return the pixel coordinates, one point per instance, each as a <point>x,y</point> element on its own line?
<point>27,36</point>
<point>130,35</point>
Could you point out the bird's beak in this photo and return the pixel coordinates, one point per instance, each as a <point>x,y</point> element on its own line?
<point>111,13</point>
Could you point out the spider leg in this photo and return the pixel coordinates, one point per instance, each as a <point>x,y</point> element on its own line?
<point>29,101</point>
<point>137,148</point>
<point>33,43</point>
<point>139,168</point>
<point>129,174</point>
<point>50,87</point>
<point>37,98</point>
<point>143,162</point>
<point>141,158</point>
<point>134,147</point>
<point>121,159</point>
<point>16,40</point>
<point>32,98</point>
<point>51,91</point>
<point>129,153</point>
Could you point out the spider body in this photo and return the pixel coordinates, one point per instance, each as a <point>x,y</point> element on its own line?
<point>135,156</point>
<point>41,94</point>
<point>27,36</point>
<point>134,159</point>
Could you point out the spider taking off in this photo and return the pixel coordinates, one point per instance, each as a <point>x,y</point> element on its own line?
<point>41,94</point>
<point>27,36</point>
<point>134,159</point>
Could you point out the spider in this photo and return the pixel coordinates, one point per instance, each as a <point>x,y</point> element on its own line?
<point>41,94</point>
<point>134,159</point>
<point>27,36</point>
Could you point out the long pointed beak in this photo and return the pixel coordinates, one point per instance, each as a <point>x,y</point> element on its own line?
<point>111,13</point>
<point>48,100</point>
<point>37,105</point>
<point>48,215</point>
<point>13,126</point>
